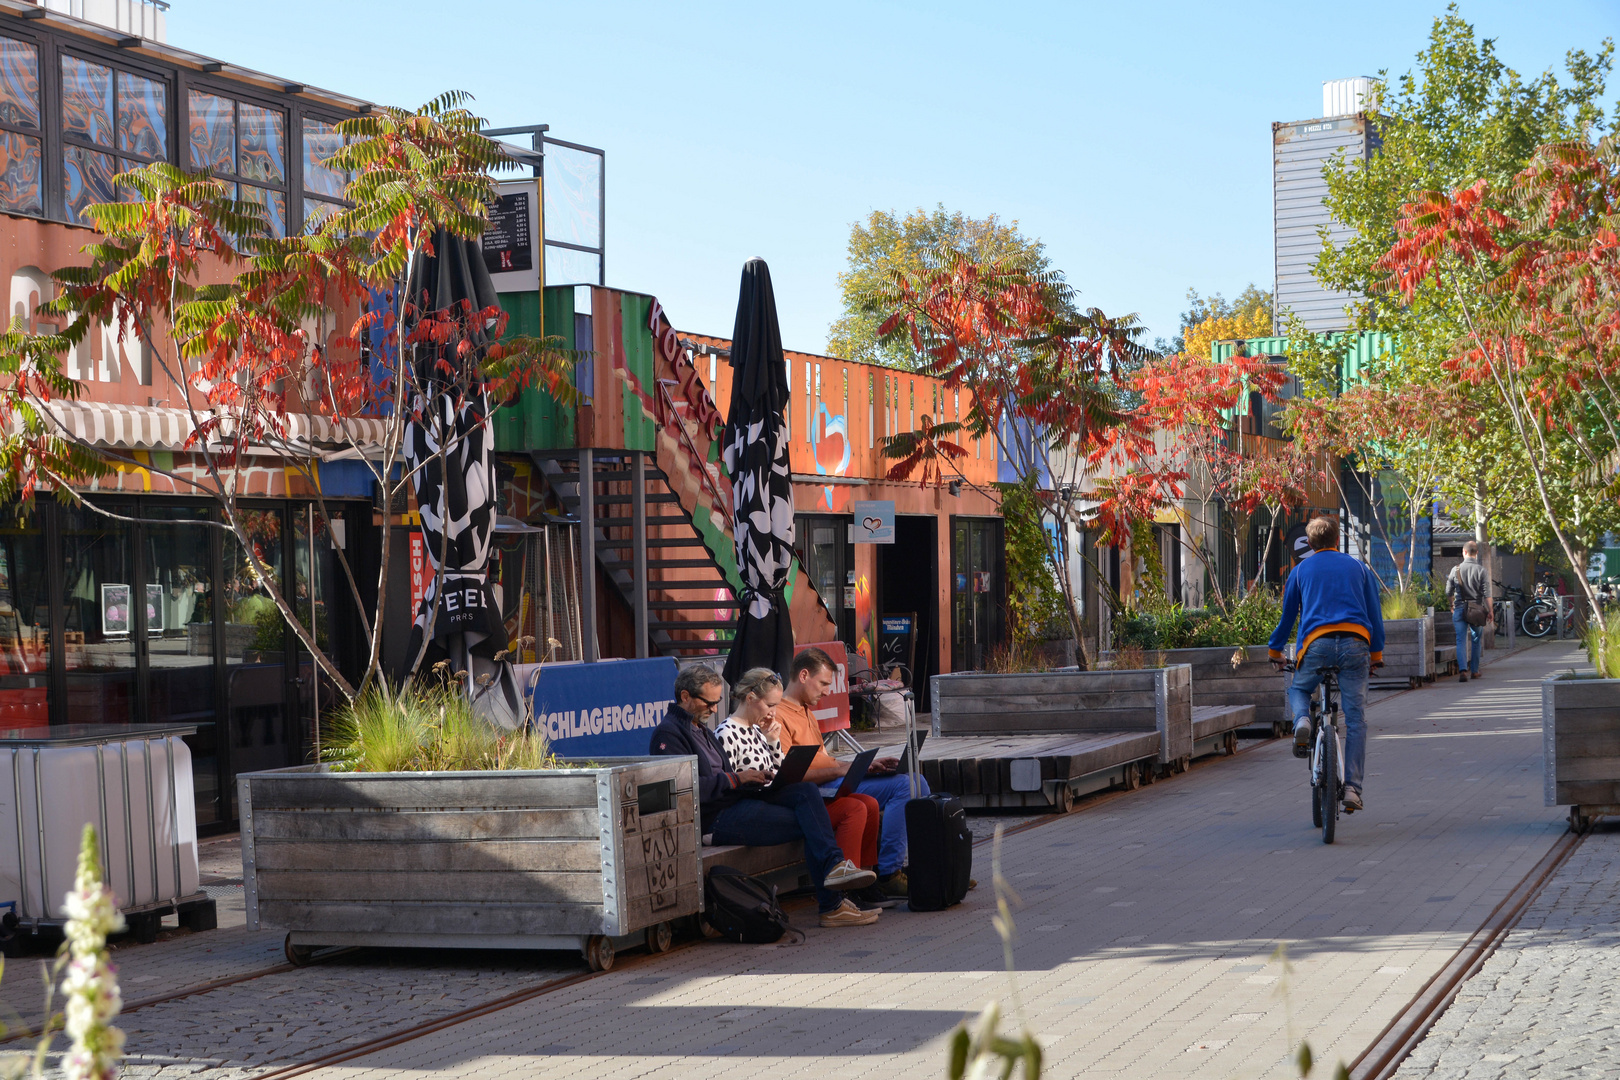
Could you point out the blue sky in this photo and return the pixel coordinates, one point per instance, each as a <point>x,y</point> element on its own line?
<point>1133,138</point>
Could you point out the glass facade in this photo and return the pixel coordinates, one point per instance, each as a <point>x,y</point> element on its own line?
<point>156,615</point>
<point>74,113</point>
<point>21,158</point>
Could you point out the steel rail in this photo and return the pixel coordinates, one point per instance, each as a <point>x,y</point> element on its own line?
<point>1409,1026</point>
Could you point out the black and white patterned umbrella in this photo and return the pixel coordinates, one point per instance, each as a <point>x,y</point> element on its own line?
<point>755,450</point>
<point>449,450</point>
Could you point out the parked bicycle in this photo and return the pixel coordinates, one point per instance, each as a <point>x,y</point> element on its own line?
<point>1541,617</point>
<point>1327,754</point>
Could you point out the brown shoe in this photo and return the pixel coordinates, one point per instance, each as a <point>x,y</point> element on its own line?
<point>847,914</point>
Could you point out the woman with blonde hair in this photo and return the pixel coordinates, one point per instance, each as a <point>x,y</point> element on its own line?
<point>752,740</point>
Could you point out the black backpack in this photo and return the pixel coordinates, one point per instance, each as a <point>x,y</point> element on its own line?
<point>743,909</point>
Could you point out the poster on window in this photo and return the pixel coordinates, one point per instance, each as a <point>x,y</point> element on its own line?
<point>154,609</point>
<point>115,615</point>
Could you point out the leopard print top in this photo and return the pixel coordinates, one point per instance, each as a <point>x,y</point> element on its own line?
<point>748,747</point>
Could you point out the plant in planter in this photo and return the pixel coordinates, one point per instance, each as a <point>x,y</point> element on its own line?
<point>431,729</point>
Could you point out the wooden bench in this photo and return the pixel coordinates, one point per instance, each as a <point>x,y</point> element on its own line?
<point>1048,771</point>
<point>757,861</point>
<point>1215,727</point>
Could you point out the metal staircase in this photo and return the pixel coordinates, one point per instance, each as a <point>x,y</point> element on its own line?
<point>672,582</point>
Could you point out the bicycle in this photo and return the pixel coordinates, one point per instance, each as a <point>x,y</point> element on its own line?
<point>1327,754</point>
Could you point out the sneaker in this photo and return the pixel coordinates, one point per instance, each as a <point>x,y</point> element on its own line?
<point>872,897</point>
<point>894,884</point>
<point>1463,677</point>
<point>846,875</point>
<point>1302,738</point>
<point>847,914</point>
<point>1352,800</point>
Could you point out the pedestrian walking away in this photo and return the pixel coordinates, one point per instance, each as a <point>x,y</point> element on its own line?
<point>1469,589</point>
<point>1334,599</point>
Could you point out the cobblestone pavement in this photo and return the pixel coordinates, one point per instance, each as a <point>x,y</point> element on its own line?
<point>1146,925</point>
<point>1546,1004</point>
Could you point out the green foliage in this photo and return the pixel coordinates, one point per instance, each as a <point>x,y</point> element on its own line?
<point>1035,608</point>
<point>425,729</point>
<point>1459,115</point>
<point>1249,620</point>
<point>1603,649</point>
<point>885,244</point>
<point>1402,604</point>
<point>269,628</point>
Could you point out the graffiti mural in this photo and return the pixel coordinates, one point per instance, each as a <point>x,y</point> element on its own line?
<point>865,623</point>
<point>830,441</point>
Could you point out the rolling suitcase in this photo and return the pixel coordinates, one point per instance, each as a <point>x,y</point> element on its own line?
<point>941,850</point>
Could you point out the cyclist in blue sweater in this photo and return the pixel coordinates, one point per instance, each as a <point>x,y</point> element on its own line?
<point>1341,624</point>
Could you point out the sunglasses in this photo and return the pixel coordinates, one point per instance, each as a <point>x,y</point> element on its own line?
<point>715,704</point>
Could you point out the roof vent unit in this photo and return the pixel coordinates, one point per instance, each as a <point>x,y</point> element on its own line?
<point>1345,97</point>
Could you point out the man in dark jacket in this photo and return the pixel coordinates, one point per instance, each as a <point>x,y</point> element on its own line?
<point>1465,583</point>
<point>731,814</point>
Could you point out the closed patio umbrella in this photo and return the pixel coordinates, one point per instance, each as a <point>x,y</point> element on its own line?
<point>755,450</point>
<point>455,489</point>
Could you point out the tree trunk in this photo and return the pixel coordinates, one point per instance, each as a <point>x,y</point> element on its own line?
<point>1487,556</point>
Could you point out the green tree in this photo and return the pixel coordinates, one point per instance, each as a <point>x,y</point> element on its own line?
<point>1459,115</point>
<point>885,244</point>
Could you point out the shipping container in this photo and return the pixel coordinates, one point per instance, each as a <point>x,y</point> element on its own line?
<point>1299,150</point>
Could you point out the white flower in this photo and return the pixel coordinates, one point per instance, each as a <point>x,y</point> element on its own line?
<point>91,983</point>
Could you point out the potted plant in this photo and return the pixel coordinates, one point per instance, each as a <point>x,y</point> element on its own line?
<point>1226,650</point>
<point>1580,730</point>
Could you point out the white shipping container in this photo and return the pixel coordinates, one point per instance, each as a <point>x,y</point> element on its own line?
<point>138,794</point>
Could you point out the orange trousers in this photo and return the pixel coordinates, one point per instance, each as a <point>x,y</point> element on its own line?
<point>856,820</point>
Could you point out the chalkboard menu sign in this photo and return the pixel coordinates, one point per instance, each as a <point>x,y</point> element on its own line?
<point>509,241</point>
<point>897,643</point>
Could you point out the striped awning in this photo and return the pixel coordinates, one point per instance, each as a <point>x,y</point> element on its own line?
<point>151,427</point>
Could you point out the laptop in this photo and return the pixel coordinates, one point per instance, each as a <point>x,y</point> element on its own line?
<point>905,757</point>
<point>856,773</point>
<point>795,764</point>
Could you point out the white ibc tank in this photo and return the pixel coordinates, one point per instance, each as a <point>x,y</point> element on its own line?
<point>138,794</point>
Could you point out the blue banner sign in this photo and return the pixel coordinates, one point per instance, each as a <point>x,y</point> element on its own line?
<point>606,709</point>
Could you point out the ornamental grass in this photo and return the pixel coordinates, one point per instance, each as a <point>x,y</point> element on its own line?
<point>432,729</point>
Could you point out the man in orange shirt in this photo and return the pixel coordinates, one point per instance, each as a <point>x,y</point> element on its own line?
<point>809,679</point>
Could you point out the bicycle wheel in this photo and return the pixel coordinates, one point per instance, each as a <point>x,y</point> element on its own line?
<point>1328,802</point>
<point>1538,620</point>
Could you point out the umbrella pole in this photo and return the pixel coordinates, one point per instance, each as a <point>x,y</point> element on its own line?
<point>587,554</point>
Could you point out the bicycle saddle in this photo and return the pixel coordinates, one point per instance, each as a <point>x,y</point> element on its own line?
<point>1327,671</point>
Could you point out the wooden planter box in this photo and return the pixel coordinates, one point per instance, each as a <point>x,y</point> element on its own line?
<point>1044,738</point>
<point>1409,646</point>
<point>582,858</point>
<point>1069,702</point>
<point>1580,733</point>
<point>1215,681</point>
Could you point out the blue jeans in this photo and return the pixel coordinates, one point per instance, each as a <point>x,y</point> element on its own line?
<point>797,813</point>
<point>891,793</point>
<point>1472,636</point>
<point>1350,655</point>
